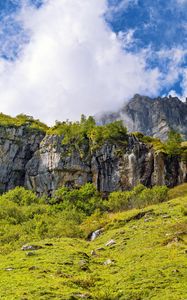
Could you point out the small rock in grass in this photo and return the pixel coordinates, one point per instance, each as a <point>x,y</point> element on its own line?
<point>9,269</point>
<point>49,244</point>
<point>175,271</point>
<point>110,243</point>
<point>166,216</point>
<point>31,247</point>
<point>108,262</point>
<point>93,253</point>
<point>95,234</point>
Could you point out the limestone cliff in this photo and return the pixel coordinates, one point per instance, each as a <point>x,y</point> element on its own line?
<point>110,167</point>
<point>42,163</point>
<point>17,146</point>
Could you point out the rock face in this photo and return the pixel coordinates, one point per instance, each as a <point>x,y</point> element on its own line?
<point>153,117</point>
<point>17,146</point>
<point>110,167</point>
<point>42,163</point>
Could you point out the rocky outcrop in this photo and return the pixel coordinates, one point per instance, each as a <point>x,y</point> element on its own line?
<point>54,165</point>
<point>153,117</point>
<point>17,146</point>
<point>110,167</point>
<point>42,163</point>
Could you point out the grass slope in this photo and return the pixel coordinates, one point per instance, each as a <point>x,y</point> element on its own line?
<point>147,261</point>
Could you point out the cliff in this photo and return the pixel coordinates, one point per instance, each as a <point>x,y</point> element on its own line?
<point>41,162</point>
<point>17,146</point>
<point>152,117</point>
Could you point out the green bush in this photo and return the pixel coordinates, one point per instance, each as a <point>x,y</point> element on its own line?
<point>69,213</point>
<point>119,201</point>
<point>89,136</point>
<point>173,144</point>
<point>21,196</point>
<point>138,197</point>
<point>86,199</point>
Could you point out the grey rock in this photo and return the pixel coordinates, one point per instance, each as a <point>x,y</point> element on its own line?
<point>153,117</point>
<point>54,165</point>
<point>93,253</point>
<point>110,243</point>
<point>95,234</point>
<point>31,247</point>
<point>108,262</point>
<point>17,146</point>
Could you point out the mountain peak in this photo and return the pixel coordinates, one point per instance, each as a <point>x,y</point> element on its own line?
<point>152,116</point>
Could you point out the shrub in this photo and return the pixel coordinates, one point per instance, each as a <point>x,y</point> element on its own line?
<point>87,134</point>
<point>86,199</point>
<point>138,197</point>
<point>173,144</point>
<point>11,212</point>
<point>63,223</point>
<point>21,196</point>
<point>119,201</point>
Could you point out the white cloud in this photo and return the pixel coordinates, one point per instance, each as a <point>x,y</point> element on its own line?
<point>121,6</point>
<point>73,64</point>
<point>173,60</point>
<point>127,38</point>
<point>181,2</point>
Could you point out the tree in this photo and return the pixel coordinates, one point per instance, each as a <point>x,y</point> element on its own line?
<point>173,144</point>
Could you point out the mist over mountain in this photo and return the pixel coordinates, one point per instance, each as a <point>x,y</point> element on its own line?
<point>153,117</point>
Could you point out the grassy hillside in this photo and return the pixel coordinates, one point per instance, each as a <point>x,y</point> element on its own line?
<point>147,259</point>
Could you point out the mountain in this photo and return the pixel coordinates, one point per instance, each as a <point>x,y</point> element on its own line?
<point>152,117</point>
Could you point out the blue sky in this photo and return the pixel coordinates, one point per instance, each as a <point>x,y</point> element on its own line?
<point>161,25</point>
<point>129,46</point>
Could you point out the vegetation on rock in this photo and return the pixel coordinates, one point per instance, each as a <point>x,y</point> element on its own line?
<point>20,120</point>
<point>173,146</point>
<point>87,132</point>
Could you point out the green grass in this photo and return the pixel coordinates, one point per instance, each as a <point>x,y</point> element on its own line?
<point>178,191</point>
<point>148,259</point>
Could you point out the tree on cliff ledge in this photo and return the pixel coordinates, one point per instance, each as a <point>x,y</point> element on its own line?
<point>173,144</point>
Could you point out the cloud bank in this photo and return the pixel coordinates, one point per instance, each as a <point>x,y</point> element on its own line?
<point>72,64</point>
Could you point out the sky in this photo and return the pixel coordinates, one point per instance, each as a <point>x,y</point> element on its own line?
<point>63,58</point>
